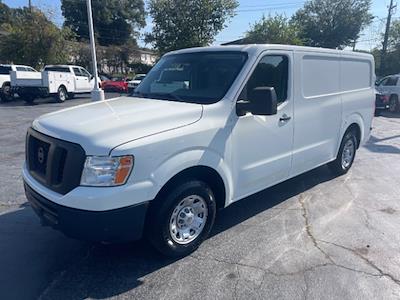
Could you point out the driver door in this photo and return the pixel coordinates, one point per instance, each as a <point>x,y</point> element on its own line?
<point>262,145</point>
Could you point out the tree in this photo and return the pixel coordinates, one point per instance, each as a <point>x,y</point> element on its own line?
<point>187,23</point>
<point>34,45</point>
<point>332,23</point>
<point>392,57</point>
<point>115,21</point>
<point>273,30</point>
<point>4,13</point>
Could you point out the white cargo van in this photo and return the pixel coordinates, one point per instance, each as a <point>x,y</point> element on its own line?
<point>205,128</point>
<point>59,81</point>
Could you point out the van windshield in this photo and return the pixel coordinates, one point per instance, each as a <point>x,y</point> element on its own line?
<point>201,77</point>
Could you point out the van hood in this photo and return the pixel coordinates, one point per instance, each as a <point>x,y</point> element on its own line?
<point>101,126</point>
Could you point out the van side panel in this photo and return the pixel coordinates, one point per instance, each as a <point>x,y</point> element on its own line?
<point>318,110</point>
<point>358,96</point>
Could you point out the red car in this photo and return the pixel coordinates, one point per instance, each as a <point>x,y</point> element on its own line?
<point>116,84</point>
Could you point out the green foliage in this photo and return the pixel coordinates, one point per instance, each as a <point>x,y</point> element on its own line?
<point>30,38</point>
<point>115,21</point>
<point>187,23</point>
<point>140,68</point>
<point>392,57</point>
<point>394,36</point>
<point>332,23</point>
<point>273,30</point>
<point>4,13</point>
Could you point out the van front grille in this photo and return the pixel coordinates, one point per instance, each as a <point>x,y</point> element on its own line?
<point>55,163</point>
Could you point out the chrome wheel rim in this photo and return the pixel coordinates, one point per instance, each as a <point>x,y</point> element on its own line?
<point>348,154</point>
<point>62,95</point>
<point>188,219</point>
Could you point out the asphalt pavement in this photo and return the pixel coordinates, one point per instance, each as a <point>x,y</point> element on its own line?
<point>312,237</point>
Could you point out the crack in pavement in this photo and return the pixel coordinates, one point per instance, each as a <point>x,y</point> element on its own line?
<point>366,260</point>
<point>302,200</point>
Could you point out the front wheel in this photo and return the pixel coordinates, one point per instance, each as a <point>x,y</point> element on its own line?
<point>179,222</point>
<point>347,152</point>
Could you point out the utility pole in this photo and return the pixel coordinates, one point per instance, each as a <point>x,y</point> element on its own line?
<point>97,92</point>
<point>392,6</point>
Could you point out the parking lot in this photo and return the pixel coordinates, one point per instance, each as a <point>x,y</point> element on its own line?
<point>314,236</point>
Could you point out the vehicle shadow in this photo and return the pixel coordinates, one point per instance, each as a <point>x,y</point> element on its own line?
<point>374,145</point>
<point>36,257</point>
<point>388,114</point>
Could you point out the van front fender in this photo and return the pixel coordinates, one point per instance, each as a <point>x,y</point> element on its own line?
<point>188,159</point>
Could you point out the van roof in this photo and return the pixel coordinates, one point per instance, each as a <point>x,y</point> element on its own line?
<point>254,48</point>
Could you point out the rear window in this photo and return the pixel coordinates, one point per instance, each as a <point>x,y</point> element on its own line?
<point>5,70</point>
<point>57,69</point>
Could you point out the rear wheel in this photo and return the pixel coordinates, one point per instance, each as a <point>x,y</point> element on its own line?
<point>179,222</point>
<point>62,94</point>
<point>347,152</point>
<point>394,104</point>
<point>6,94</point>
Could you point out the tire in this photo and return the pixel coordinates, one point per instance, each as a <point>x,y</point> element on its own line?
<point>61,95</point>
<point>6,95</point>
<point>179,205</point>
<point>394,104</point>
<point>345,157</point>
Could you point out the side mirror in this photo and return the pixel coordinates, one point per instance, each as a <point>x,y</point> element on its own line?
<point>263,102</point>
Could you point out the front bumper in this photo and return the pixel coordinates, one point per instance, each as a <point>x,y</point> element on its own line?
<point>117,225</point>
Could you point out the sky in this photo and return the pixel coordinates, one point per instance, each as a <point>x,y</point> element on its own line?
<point>248,12</point>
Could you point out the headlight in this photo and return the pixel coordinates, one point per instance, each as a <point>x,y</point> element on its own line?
<point>106,171</point>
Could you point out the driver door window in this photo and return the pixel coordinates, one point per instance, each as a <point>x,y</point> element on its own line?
<point>271,71</point>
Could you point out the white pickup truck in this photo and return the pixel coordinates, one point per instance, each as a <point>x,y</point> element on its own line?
<point>205,128</point>
<point>5,80</point>
<point>60,81</point>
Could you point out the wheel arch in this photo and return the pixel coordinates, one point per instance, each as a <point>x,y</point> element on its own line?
<point>203,173</point>
<point>353,122</point>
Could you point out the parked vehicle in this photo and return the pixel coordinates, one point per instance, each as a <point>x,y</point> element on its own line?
<point>389,93</point>
<point>133,84</point>
<point>206,127</point>
<point>116,84</point>
<point>60,81</point>
<point>6,93</point>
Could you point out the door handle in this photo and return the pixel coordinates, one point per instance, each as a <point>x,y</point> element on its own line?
<point>284,118</point>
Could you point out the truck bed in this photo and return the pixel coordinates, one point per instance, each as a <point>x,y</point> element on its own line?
<point>26,79</point>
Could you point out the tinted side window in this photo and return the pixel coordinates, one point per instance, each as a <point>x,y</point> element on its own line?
<point>4,70</point>
<point>77,72</point>
<point>391,81</point>
<point>271,71</point>
<point>85,72</point>
<point>57,69</point>
<point>383,82</point>
<point>21,69</point>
